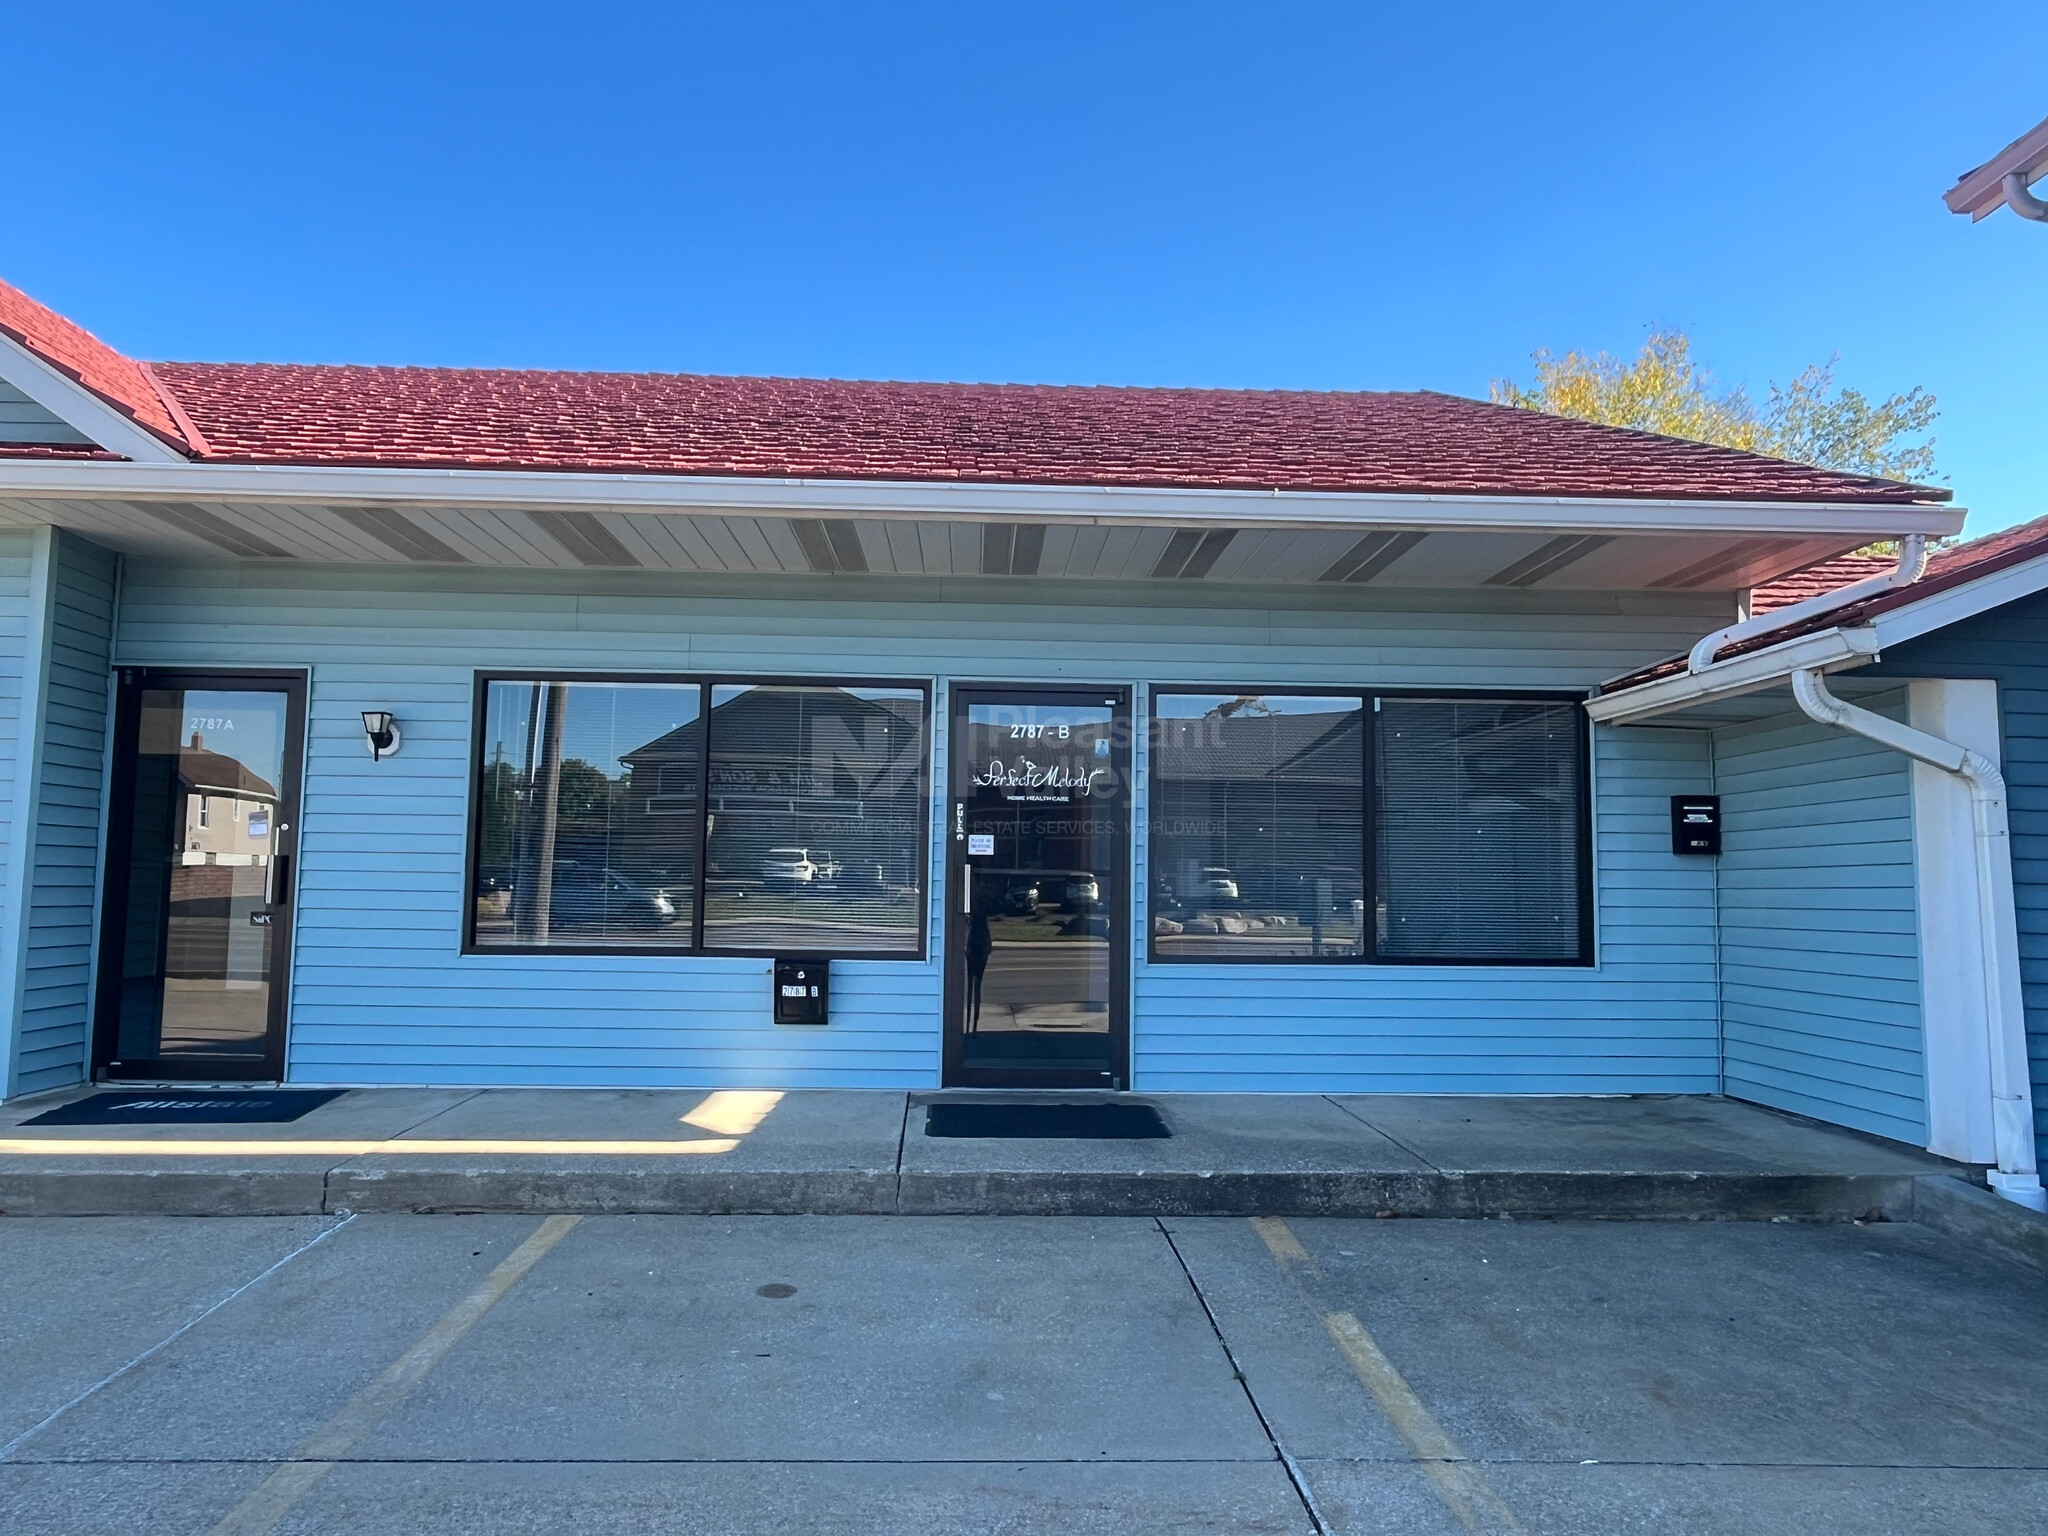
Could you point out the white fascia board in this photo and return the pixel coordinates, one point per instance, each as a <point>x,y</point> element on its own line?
<point>1831,650</point>
<point>71,402</point>
<point>1966,601</point>
<point>955,502</point>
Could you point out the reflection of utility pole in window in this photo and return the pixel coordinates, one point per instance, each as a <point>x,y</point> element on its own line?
<point>534,894</point>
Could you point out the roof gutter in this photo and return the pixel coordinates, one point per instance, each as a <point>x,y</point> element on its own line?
<point>2012,1111</point>
<point>1911,567</point>
<point>1831,650</point>
<point>731,496</point>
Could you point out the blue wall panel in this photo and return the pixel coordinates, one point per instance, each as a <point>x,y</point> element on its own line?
<point>1820,967</point>
<point>65,878</point>
<point>381,994</point>
<point>56,634</point>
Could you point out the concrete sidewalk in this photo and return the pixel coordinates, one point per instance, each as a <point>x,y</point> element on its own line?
<point>850,1152</point>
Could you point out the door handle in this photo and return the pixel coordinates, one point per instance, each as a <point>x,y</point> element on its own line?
<point>966,889</point>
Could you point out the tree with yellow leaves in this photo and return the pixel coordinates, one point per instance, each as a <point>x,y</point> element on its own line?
<point>1665,391</point>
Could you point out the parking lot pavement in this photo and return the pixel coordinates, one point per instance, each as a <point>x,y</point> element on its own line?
<point>458,1374</point>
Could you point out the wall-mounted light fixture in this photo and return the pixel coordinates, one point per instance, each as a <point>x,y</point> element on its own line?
<point>380,733</point>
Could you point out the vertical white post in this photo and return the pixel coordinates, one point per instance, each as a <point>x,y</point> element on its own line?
<point>1952,1000</point>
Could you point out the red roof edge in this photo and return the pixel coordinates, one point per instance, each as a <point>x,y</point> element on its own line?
<point>74,351</point>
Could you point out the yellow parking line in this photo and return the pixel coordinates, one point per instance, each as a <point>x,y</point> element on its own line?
<point>317,1454</point>
<point>1459,1482</point>
<point>396,1147</point>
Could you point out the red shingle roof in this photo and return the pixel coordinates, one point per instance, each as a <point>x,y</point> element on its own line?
<point>1817,580</point>
<point>117,380</point>
<point>688,424</point>
<point>990,433</point>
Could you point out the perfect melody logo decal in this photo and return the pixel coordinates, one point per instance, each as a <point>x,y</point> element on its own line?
<point>1026,780</point>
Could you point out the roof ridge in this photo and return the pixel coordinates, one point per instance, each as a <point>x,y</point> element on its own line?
<point>194,438</point>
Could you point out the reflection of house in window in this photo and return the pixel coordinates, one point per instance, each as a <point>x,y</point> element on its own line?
<point>1270,803</point>
<point>212,782</point>
<point>818,768</point>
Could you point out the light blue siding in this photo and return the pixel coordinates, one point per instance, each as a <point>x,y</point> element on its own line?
<point>56,630</point>
<point>19,568</point>
<point>2009,645</point>
<point>63,884</point>
<point>1820,966</point>
<point>381,993</point>
<point>23,421</point>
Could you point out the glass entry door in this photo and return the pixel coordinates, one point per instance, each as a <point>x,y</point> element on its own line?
<point>197,917</point>
<point>1037,932</point>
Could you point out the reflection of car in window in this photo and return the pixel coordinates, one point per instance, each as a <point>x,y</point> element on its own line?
<point>790,866</point>
<point>1082,892</point>
<point>587,896</point>
<point>1022,899</point>
<point>1216,884</point>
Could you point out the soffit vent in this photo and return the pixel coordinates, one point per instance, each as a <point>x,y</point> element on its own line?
<point>585,537</point>
<point>1549,560</point>
<point>214,529</point>
<point>396,532</point>
<point>1371,555</point>
<point>1700,572</point>
<point>830,544</point>
<point>1191,552</point>
<point>1011,549</point>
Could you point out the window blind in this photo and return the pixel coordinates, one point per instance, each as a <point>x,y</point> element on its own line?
<point>1477,830</point>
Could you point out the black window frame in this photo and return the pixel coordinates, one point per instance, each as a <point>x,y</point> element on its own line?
<point>1369,954</point>
<point>705,683</point>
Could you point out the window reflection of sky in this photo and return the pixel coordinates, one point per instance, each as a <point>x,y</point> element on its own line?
<point>601,723</point>
<point>1192,706</point>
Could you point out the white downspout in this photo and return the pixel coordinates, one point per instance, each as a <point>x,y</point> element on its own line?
<point>1912,565</point>
<point>2020,200</point>
<point>2012,1112</point>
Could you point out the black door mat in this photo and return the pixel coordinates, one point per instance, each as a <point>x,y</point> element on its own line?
<point>1091,1122</point>
<point>168,1107</point>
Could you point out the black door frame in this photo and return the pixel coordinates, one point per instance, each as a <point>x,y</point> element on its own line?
<point>120,846</point>
<point>954,1072</point>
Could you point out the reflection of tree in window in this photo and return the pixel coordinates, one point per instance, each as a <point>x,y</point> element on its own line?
<point>585,789</point>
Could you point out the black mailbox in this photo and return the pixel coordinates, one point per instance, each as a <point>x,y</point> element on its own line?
<point>1695,823</point>
<point>803,991</point>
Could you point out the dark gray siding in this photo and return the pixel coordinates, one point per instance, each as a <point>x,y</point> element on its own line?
<point>2009,645</point>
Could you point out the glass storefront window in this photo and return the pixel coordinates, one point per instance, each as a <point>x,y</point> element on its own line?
<point>1258,805</point>
<point>1453,831</point>
<point>587,815</point>
<point>1478,834</point>
<point>817,837</point>
<point>592,815</point>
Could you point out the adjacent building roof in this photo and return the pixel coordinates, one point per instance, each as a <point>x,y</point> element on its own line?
<point>689,424</point>
<point>1946,570</point>
<point>1817,581</point>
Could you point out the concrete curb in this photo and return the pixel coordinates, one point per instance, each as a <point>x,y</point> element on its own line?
<point>1981,1220</point>
<point>661,1190</point>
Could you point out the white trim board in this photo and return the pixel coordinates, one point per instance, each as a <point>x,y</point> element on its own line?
<point>170,478</point>
<point>1956,1056</point>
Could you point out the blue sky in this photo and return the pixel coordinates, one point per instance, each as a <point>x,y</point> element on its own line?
<point>1362,196</point>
